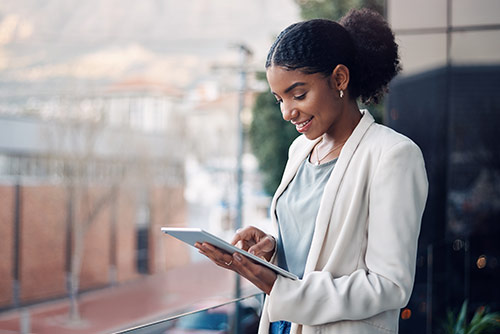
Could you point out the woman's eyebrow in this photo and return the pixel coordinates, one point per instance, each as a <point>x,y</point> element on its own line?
<point>294,85</point>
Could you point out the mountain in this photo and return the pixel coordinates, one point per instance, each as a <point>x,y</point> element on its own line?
<point>52,45</point>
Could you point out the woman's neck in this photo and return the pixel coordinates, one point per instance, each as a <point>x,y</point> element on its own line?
<point>345,125</point>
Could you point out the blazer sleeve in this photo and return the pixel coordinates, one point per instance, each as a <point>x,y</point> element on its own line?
<point>397,196</point>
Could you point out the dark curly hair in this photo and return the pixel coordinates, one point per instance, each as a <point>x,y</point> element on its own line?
<point>362,41</point>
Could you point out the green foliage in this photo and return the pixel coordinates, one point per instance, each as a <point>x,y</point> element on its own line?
<point>377,110</point>
<point>335,9</point>
<point>270,137</point>
<point>482,322</point>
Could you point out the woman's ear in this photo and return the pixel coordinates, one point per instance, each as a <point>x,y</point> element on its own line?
<point>340,77</point>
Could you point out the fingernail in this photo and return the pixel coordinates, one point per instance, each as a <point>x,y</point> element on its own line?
<point>237,257</point>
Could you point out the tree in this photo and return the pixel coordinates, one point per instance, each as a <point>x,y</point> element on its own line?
<point>91,184</point>
<point>335,9</point>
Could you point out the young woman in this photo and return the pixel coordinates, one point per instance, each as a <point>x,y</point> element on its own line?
<point>347,212</point>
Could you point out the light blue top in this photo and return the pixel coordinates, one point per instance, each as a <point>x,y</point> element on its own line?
<point>296,210</point>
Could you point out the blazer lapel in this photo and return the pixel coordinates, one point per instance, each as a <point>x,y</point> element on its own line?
<point>331,189</point>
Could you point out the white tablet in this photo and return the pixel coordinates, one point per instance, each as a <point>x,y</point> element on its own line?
<point>194,235</point>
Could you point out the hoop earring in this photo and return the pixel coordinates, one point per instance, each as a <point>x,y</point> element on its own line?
<point>341,93</point>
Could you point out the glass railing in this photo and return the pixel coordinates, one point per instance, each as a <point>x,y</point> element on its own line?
<point>239,315</point>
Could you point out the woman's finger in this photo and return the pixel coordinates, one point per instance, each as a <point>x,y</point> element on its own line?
<point>217,256</point>
<point>263,247</point>
<point>260,276</point>
<point>247,234</point>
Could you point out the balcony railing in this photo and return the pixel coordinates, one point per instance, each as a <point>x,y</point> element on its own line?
<point>240,315</point>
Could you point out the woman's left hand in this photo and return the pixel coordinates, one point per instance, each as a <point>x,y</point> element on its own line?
<point>260,276</point>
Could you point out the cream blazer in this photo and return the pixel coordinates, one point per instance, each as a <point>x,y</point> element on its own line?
<point>361,265</point>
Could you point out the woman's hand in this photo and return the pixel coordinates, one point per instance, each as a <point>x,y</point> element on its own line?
<point>255,242</point>
<point>260,276</point>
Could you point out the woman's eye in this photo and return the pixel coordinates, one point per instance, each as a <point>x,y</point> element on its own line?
<point>300,97</point>
<point>279,101</point>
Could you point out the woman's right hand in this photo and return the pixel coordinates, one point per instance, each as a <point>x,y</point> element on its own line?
<point>255,242</point>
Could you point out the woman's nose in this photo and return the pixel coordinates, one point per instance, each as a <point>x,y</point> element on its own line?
<point>288,113</point>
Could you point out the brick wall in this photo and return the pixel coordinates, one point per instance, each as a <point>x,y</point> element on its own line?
<point>96,256</point>
<point>6,243</point>
<point>125,238</point>
<point>43,245</point>
<point>169,209</point>
<point>159,217</point>
<point>43,242</point>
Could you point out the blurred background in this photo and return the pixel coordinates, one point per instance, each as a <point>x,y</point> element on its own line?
<point>120,117</point>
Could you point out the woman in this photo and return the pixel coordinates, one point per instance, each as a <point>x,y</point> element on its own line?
<point>347,212</point>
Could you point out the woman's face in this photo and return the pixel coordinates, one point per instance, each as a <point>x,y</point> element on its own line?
<point>309,101</point>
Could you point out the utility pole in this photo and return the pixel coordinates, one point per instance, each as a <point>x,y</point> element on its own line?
<point>245,53</point>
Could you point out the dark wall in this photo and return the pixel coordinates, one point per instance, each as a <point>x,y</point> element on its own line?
<point>453,114</point>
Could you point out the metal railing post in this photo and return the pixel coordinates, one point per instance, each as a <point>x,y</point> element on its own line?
<point>245,53</point>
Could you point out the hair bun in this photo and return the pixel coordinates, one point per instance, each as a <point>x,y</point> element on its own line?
<point>377,60</point>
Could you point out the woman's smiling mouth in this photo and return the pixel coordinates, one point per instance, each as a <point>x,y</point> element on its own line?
<point>303,126</point>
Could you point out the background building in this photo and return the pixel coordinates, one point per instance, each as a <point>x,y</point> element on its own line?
<point>106,167</point>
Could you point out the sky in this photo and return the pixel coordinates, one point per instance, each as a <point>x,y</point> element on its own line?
<point>46,43</point>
